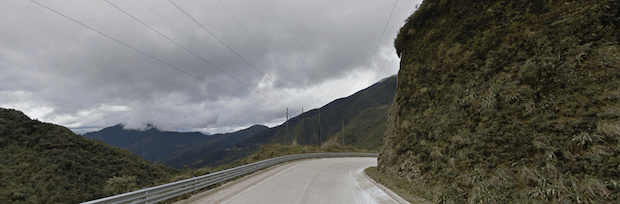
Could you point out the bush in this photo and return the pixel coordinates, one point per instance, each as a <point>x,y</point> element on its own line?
<point>118,185</point>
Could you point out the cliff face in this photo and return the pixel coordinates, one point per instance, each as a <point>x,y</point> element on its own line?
<point>508,101</point>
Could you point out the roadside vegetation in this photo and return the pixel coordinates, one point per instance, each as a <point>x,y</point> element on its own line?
<point>46,163</point>
<point>508,102</point>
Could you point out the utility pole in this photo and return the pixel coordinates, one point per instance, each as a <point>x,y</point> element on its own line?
<point>320,128</point>
<point>286,126</point>
<point>301,133</point>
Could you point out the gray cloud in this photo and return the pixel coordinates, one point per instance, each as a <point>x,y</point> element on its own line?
<point>59,71</point>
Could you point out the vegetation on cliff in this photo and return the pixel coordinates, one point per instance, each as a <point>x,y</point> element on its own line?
<point>46,163</point>
<point>504,101</point>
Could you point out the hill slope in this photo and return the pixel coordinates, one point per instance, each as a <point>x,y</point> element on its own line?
<point>188,155</point>
<point>150,144</point>
<point>332,115</point>
<point>174,149</point>
<point>508,101</point>
<point>47,163</point>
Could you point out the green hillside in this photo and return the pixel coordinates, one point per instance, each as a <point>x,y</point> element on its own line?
<point>508,102</point>
<point>46,163</point>
<point>364,131</point>
<point>332,115</point>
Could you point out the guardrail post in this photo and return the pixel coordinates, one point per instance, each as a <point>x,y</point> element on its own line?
<point>195,186</point>
<point>146,195</point>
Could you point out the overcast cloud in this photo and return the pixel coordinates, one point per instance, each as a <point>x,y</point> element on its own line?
<point>315,51</point>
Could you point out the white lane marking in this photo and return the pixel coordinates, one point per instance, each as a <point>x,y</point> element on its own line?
<point>371,192</point>
<point>382,190</point>
<point>367,197</point>
<point>246,190</point>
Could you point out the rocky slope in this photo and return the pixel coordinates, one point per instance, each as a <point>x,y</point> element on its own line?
<point>508,101</point>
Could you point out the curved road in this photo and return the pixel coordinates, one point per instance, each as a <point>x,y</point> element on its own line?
<point>331,180</point>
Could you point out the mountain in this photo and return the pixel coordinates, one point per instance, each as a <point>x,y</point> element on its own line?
<point>188,155</point>
<point>150,144</point>
<point>363,114</point>
<point>46,163</point>
<point>170,148</point>
<point>333,115</point>
<point>508,102</point>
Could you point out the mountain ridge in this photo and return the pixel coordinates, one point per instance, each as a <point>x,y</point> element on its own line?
<point>378,94</point>
<point>187,156</point>
<point>168,147</point>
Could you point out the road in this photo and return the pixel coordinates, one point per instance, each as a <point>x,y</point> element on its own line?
<point>330,180</point>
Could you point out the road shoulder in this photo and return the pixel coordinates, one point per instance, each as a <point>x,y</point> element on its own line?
<point>394,195</point>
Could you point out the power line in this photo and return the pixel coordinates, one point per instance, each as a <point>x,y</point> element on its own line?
<point>189,50</point>
<point>246,61</point>
<point>186,35</point>
<point>378,43</point>
<point>386,59</point>
<point>261,46</point>
<point>384,28</point>
<point>150,56</point>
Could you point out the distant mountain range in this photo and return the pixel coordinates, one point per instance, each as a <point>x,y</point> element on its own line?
<point>189,155</point>
<point>174,149</point>
<point>364,115</point>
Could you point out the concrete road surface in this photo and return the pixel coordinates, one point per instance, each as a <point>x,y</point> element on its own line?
<point>330,180</point>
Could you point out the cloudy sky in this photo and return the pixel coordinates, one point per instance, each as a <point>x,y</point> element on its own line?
<point>190,65</point>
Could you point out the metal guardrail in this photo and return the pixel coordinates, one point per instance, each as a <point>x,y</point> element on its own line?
<point>174,189</point>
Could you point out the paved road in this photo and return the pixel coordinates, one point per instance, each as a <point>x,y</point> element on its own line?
<point>331,180</point>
